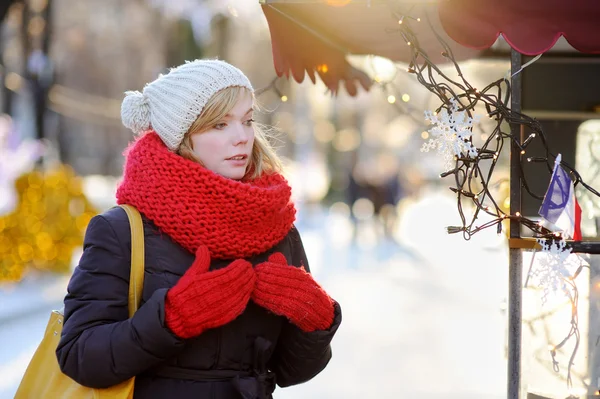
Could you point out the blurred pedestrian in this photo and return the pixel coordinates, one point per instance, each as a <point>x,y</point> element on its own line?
<point>229,308</point>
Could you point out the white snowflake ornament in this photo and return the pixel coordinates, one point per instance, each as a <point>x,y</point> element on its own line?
<point>451,133</point>
<point>555,265</point>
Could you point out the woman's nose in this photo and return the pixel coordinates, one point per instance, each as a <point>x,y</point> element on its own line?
<point>241,135</point>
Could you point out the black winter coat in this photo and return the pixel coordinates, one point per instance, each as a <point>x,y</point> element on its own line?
<point>101,347</point>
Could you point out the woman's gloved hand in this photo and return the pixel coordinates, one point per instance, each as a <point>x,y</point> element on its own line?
<point>204,299</point>
<point>292,292</point>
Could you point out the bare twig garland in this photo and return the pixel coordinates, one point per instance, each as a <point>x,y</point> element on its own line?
<point>474,167</point>
<point>473,174</point>
<point>271,86</point>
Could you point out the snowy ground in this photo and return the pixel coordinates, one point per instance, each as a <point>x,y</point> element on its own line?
<point>422,319</point>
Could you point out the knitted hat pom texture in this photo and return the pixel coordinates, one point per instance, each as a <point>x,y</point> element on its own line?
<point>135,112</point>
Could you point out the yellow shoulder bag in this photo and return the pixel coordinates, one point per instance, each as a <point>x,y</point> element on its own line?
<point>43,378</point>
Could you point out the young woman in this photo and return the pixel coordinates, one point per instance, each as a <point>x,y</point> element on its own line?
<point>229,308</point>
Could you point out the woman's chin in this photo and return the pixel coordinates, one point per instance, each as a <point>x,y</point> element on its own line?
<point>233,174</point>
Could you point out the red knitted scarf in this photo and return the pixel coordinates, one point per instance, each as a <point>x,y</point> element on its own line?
<point>193,205</point>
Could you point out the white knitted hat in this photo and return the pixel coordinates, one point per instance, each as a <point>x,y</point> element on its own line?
<point>170,104</point>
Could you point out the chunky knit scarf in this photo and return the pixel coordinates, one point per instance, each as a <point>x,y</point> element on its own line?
<point>193,205</point>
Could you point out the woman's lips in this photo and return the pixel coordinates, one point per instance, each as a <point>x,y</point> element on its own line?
<point>238,160</point>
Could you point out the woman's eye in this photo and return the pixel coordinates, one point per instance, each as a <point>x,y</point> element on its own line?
<point>220,126</point>
<point>249,122</point>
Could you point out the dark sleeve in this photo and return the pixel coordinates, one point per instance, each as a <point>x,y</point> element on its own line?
<point>100,346</point>
<point>299,355</point>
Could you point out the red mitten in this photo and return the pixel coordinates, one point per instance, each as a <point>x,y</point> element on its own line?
<point>292,292</point>
<point>201,299</point>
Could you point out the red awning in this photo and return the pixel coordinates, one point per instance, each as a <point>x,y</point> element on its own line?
<point>315,36</point>
<point>530,26</point>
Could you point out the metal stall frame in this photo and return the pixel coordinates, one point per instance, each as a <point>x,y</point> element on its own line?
<point>517,244</point>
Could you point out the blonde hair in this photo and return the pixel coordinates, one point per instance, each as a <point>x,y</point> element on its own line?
<point>263,159</point>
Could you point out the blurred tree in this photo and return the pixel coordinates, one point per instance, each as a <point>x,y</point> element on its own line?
<point>5,92</point>
<point>183,45</point>
<point>47,225</point>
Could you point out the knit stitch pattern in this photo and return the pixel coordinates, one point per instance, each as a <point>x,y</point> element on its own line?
<point>201,299</point>
<point>292,292</point>
<point>194,206</point>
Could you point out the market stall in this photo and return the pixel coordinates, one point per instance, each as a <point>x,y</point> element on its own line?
<point>316,37</point>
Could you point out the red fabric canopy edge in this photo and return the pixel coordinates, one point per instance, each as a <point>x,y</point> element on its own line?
<point>529,26</point>
<point>318,57</point>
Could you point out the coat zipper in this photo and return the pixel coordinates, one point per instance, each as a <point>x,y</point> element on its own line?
<point>216,365</point>
<point>218,348</point>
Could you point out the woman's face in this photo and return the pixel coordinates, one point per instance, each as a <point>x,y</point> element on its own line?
<point>226,148</point>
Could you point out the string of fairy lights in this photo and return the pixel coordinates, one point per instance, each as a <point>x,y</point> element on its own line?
<point>473,173</point>
<point>574,334</point>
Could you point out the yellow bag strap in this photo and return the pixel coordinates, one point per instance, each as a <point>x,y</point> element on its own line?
<point>136,277</point>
